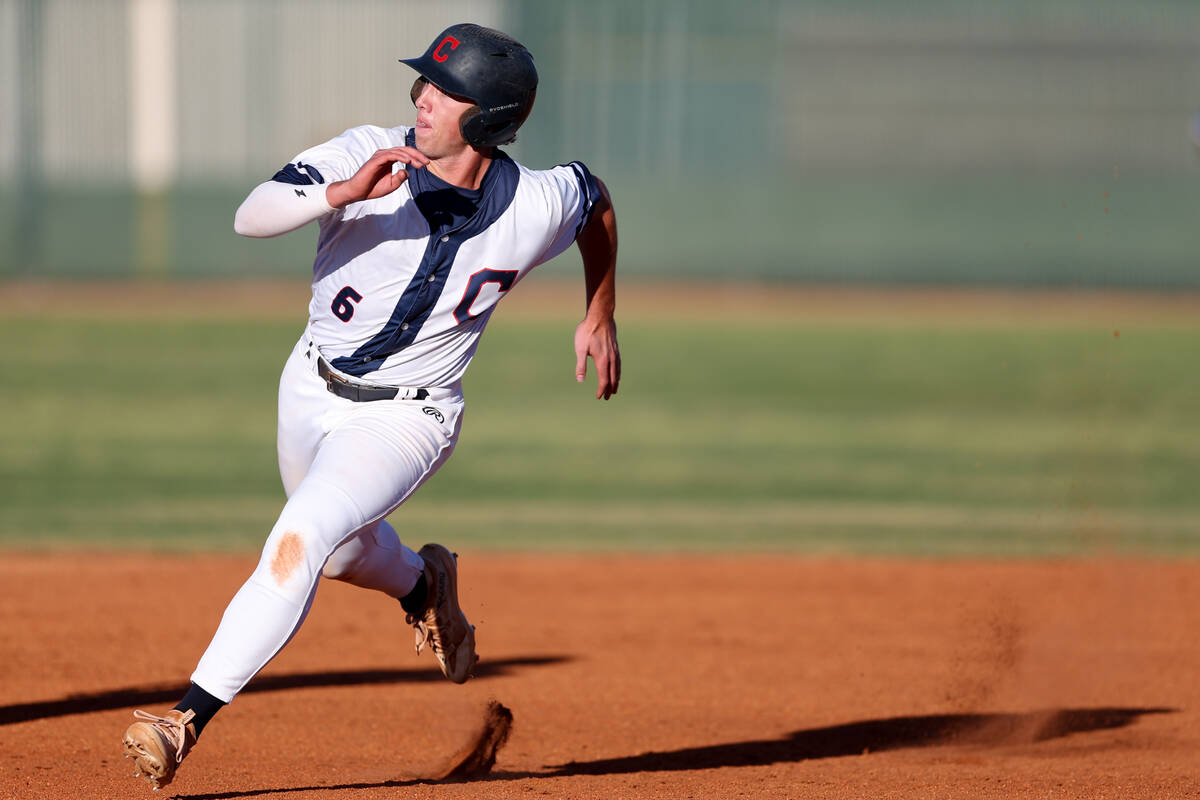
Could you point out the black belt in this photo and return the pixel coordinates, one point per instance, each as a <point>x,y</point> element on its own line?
<point>358,392</point>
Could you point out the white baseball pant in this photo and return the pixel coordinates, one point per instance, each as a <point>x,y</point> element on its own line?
<point>345,466</point>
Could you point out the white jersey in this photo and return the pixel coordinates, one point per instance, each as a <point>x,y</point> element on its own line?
<point>402,289</point>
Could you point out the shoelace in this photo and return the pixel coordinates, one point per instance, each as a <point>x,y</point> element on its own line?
<point>425,635</point>
<point>175,731</point>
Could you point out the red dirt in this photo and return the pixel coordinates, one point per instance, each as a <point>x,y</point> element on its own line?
<point>630,677</point>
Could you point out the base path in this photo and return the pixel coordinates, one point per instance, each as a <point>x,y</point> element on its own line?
<point>629,676</point>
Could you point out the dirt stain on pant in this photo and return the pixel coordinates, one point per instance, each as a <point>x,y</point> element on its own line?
<point>288,556</point>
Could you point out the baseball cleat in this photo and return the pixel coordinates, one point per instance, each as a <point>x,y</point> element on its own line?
<point>442,625</point>
<point>157,745</point>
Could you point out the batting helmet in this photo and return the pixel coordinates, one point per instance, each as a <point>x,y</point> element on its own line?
<point>488,67</point>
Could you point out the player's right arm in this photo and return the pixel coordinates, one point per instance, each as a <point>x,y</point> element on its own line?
<point>276,207</point>
<point>376,178</point>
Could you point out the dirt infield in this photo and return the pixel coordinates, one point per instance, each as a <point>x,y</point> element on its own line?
<point>648,677</point>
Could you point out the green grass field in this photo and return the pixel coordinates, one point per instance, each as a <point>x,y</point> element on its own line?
<point>778,432</point>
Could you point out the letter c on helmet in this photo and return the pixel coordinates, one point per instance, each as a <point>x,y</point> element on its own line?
<point>438,55</point>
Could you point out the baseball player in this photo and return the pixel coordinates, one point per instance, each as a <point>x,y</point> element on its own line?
<point>423,229</point>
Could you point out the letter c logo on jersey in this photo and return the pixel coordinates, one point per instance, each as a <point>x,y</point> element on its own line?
<point>438,55</point>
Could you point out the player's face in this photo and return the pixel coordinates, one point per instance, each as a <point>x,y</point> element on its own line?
<point>438,114</point>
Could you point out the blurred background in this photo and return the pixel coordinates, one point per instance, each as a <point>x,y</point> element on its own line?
<point>868,259</point>
<point>1026,142</point>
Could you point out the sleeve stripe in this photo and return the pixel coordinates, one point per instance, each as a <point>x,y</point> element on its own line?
<point>300,174</point>
<point>590,191</point>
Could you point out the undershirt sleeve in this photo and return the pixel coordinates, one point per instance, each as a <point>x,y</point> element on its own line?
<point>275,208</point>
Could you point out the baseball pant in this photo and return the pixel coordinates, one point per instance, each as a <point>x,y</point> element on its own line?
<point>345,466</point>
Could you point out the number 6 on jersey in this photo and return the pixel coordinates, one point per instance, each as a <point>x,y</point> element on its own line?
<point>343,304</point>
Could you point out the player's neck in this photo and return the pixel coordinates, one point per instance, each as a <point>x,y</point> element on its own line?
<point>465,168</point>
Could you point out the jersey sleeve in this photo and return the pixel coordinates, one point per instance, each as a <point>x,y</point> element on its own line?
<point>334,160</point>
<point>578,193</point>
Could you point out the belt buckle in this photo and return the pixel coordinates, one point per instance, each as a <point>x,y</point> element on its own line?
<point>330,377</point>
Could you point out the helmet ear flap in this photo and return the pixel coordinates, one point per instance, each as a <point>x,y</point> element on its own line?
<point>472,127</point>
<point>488,130</point>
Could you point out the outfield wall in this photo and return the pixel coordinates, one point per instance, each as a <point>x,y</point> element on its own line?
<point>1043,143</point>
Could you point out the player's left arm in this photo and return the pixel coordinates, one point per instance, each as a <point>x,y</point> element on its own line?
<point>596,336</point>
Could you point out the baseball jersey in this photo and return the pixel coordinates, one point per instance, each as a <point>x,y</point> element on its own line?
<point>403,285</point>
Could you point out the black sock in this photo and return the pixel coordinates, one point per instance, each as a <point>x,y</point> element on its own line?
<point>414,601</point>
<point>202,703</point>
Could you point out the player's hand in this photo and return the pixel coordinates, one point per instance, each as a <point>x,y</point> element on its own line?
<point>376,178</point>
<point>598,339</point>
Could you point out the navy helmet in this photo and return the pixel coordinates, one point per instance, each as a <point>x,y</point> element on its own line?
<point>487,67</point>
